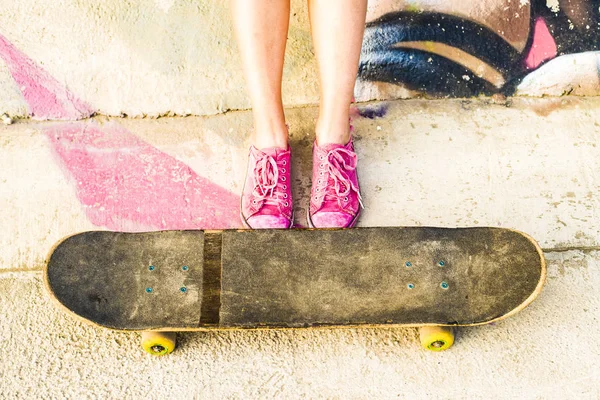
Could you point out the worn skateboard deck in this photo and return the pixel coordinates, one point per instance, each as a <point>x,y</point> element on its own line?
<point>196,280</point>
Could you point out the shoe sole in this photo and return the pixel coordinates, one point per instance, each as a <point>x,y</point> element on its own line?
<point>247,226</point>
<point>312,226</point>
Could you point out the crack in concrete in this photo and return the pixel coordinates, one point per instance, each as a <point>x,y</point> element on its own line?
<point>583,249</point>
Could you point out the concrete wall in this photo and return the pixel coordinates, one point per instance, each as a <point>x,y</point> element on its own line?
<point>178,57</point>
<point>140,57</point>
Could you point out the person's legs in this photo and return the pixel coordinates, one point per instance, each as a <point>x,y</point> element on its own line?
<point>337,29</point>
<point>261,28</point>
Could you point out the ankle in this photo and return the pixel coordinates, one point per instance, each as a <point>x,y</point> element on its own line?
<point>270,135</point>
<point>333,131</point>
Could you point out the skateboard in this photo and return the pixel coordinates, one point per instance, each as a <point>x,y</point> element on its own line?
<point>163,282</point>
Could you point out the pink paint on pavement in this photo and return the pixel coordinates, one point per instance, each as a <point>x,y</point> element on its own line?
<point>46,97</point>
<point>126,184</point>
<point>543,47</point>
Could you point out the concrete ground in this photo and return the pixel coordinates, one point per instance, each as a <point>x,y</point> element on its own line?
<point>530,165</point>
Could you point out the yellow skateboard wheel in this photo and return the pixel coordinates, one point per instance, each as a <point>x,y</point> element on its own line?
<point>159,343</point>
<point>436,338</point>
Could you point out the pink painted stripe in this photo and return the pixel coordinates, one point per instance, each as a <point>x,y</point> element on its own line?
<point>543,46</point>
<point>126,184</point>
<point>45,96</point>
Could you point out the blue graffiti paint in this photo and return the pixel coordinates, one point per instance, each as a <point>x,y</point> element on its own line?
<point>373,111</point>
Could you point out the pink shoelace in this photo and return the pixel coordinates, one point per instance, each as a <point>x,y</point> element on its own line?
<point>339,170</point>
<point>266,177</point>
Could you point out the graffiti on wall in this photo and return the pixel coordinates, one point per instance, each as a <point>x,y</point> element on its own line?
<point>46,98</point>
<point>466,48</point>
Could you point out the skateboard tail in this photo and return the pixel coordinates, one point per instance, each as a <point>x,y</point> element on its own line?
<point>540,285</point>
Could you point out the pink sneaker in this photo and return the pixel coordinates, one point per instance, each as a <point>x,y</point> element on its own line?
<point>267,196</point>
<point>335,199</point>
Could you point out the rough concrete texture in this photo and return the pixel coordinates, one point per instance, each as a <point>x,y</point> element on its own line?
<point>146,57</point>
<point>529,164</point>
<point>11,100</point>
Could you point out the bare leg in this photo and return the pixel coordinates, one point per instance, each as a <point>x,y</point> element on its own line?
<point>337,30</point>
<point>261,28</point>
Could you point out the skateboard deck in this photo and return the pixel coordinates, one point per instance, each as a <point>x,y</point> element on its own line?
<point>199,280</point>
